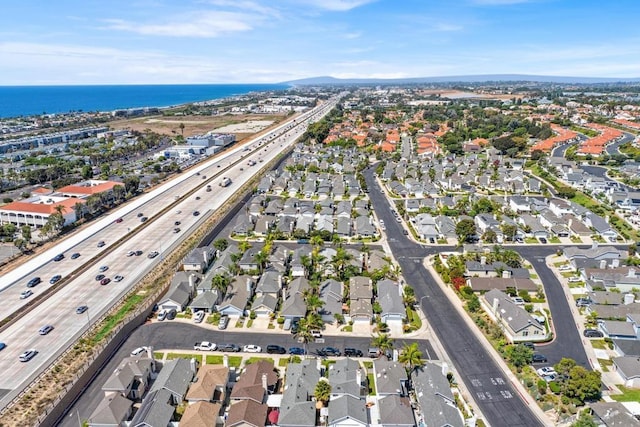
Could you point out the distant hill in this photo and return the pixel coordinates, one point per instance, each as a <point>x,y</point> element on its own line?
<point>327,80</point>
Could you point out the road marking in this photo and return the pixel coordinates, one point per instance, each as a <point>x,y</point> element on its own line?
<point>506,394</point>
<point>481,395</point>
<point>476,382</point>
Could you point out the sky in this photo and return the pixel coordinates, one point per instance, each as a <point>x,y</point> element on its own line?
<point>268,41</point>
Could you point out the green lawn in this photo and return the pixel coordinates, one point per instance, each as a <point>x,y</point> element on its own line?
<point>531,240</point>
<point>158,355</point>
<point>111,321</point>
<point>257,359</point>
<point>554,239</point>
<point>372,384</point>
<point>628,395</point>
<point>171,356</point>
<point>217,359</point>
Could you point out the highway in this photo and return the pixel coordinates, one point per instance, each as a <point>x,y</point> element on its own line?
<point>157,235</point>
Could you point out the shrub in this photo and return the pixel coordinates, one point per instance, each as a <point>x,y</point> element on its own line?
<point>555,387</point>
<point>252,315</point>
<point>542,387</point>
<point>280,320</point>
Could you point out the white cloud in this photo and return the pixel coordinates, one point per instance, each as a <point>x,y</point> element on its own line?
<point>336,5</point>
<point>201,24</point>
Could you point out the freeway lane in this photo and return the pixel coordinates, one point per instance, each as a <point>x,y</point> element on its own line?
<point>498,400</point>
<point>174,335</point>
<point>59,308</point>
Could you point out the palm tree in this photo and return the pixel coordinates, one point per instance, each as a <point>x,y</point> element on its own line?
<point>220,244</point>
<point>220,282</point>
<point>313,302</point>
<point>322,392</point>
<point>411,357</point>
<point>316,241</point>
<point>341,260</point>
<point>261,259</point>
<point>383,341</point>
<point>244,246</point>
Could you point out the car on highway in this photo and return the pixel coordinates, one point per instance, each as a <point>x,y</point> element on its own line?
<point>153,254</point>
<point>75,255</point>
<point>131,253</point>
<point>592,333</point>
<point>352,352</point>
<point>26,294</point>
<point>176,230</point>
<point>138,253</point>
<point>81,309</point>
<point>55,279</point>
<point>140,214</point>
<point>329,351</point>
<point>276,349</point>
<point>28,355</point>
<point>229,347</point>
<point>45,329</point>
<point>144,219</point>
<point>101,243</point>
<point>252,348</point>
<point>33,282</point>
<point>198,317</point>
<point>118,278</point>
<point>177,223</point>
<point>2,346</point>
<point>103,268</point>
<point>538,358</point>
<point>99,277</point>
<point>197,197</point>
<point>119,220</point>
<point>204,346</point>
<point>139,351</point>
<point>58,257</point>
<point>105,281</point>
<point>196,213</point>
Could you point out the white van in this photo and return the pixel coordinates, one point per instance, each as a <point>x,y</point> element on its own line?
<point>162,314</point>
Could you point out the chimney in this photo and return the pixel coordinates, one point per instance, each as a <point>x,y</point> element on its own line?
<point>632,272</point>
<point>359,377</point>
<point>249,287</point>
<point>192,284</point>
<point>603,264</point>
<point>615,263</point>
<point>506,274</point>
<point>225,360</point>
<point>629,298</point>
<point>150,356</point>
<point>483,260</point>
<point>205,255</point>
<point>265,386</point>
<point>494,306</point>
<point>193,363</point>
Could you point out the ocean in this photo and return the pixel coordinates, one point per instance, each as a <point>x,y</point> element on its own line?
<point>18,101</point>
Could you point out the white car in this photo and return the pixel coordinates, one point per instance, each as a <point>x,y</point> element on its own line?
<point>198,317</point>
<point>252,348</point>
<point>575,279</point>
<point>204,346</point>
<point>139,351</point>
<point>118,278</point>
<point>565,267</point>
<point>131,253</point>
<point>26,294</point>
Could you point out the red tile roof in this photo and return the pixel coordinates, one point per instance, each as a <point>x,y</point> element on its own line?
<point>88,190</point>
<point>41,208</point>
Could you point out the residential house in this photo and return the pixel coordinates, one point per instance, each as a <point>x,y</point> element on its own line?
<point>426,228</point>
<point>618,329</point>
<point>391,302</point>
<point>347,378</point>
<point>131,378</point>
<point>238,294</point>
<point>255,382</point>
<point>182,289</point>
<point>628,367</point>
<point>395,411</point>
<point>331,294</point>
<point>518,325</point>
<point>364,227</point>
<point>247,262</point>
<point>390,378</point>
<point>199,259</point>
<point>224,263</point>
<point>485,284</point>
<point>612,414</point>
<point>601,227</point>
<point>247,413</point>
<point>293,304</point>
<point>156,409</point>
<point>298,407</point>
<point>175,377</point>
<point>112,411</point>
<point>347,411</point>
<point>201,414</point>
<point>361,296</point>
<point>519,204</point>
<point>205,301</point>
<point>210,384</point>
<point>435,399</point>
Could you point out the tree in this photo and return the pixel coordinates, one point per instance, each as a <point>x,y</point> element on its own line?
<point>564,366</point>
<point>261,259</point>
<point>566,192</point>
<point>465,229</point>
<point>583,385</point>
<point>131,184</point>
<point>509,231</point>
<point>313,302</point>
<point>220,282</point>
<point>340,261</point>
<point>87,172</point>
<point>584,420</point>
<point>26,233</point>
<point>519,355</point>
<point>490,236</point>
<point>322,392</point>
<point>383,341</point>
<point>220,244</point>
<point>181,126</point>
<point>411,357</point>
<point>244,246</point>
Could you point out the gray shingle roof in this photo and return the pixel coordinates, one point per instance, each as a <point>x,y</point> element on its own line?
<point>348,407</point>
<point>390,298</point>
<point>435,398</point>
<point>396,411</point>
<point>175,376</point>
<point>155,410</point>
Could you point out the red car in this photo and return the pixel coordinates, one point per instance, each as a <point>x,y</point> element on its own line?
<point>105,281</point>
<point>119,220</point>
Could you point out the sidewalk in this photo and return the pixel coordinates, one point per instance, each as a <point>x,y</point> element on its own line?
<point>523,392</point>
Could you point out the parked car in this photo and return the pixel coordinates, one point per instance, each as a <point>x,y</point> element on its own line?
<point>329,351</point>
<point>543,240</point>
<point>28,355</point>
<point>298,351</point>
<point>529,344</point>
<point>575,279</point>
<point>352,352</point>
<point>33,282</point>
<point>204,346</point>
<point>252,348</point>
<point>58,257</point>
<point>229,347</point>
<point>75,255</point>
<point>82,309</point>
<point>26,294</point>
<point>171,314</point>
<point>223,322</point>
<point>139,351</point>
<point>583,302</point>
<point>162,314</point>
<point>316,333</point>
<point>539,358</point>
<point>45,329</point>
<point>565,267</point>
<point>592,333</point>
<point>198,317</point>
<point>276,349</point>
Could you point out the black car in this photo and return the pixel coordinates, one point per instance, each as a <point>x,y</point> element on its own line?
<point>171,314</point>
<point>528,344</point>
<point>75,255</point>
<point>138,253</point>
<point>55,279</point>
<point>58,257</point>
<point>592,333</point>
<point>276,349</point>
<point>352,352</point>
<point>196,213</point>
<point>99,277</point>
<point>81,309</point>
<point>33,282</point>
<point>143,219</point>
<point>177,223</point>
<point>329,351</point>
<point>140,214</point>
<point>228,347</point>
<point>539,358</point>
<point>542,240</point>
<point>298,351</point>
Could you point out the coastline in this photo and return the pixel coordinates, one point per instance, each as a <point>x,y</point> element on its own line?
<point>28,101</point>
